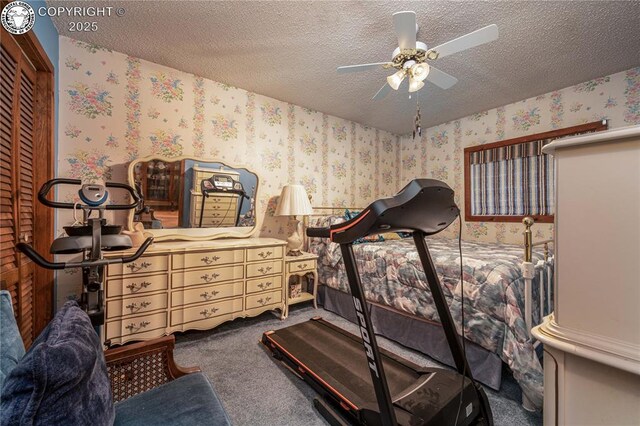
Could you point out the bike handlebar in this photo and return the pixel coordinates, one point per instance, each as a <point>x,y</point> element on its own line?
<point>46,188</point>
<point>41,261</point>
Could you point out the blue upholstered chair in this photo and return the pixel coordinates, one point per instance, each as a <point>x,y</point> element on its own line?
<point>146,386</point>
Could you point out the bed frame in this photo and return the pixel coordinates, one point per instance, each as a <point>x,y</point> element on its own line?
<point>529,270</point>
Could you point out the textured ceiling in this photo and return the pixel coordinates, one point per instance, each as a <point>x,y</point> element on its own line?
<point>290,50</point>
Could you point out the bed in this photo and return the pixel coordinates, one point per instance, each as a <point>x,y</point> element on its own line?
<point>504,297</point>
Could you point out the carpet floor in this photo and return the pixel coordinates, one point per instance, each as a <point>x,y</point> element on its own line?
<point>257,390</point>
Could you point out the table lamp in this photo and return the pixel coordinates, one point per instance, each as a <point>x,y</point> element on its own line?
<point>294,202</point>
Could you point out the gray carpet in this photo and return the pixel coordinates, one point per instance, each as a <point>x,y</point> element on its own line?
<point>257,390</point>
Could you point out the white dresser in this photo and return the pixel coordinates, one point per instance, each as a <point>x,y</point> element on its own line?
<point>182,285</point>
<point>592,341</point>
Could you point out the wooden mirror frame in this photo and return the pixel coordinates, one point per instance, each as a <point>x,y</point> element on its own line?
<point>595,126</point>
<point>196,234</point>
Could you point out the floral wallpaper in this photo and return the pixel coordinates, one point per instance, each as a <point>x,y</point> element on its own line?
<point>115,108</point>
<point>439,153</point>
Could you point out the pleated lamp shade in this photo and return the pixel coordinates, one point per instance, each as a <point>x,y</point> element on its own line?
<point>293,202</point>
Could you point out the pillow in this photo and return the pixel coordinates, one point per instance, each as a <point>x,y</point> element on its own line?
<point>373,238</point>
<point>11,345</point>
<point>62,379</point>
<point>388,236</point>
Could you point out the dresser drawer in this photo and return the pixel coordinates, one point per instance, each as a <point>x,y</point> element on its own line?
<point>127,286</point>
<point>216,207</point>
<point>136,305</point>
<point>219,199</point>
<point>206,293</point>
<point>264,253</point>
<point>219,215</point>
<point>302,265</point>
<point>263,299</point>
<point>213,199</point>
<point>135,325</point>
<point>263,268</point>
<point>263,284</point>
<point>143,265</point>
<point>206,276</point>
<point>205,311</point>
<point>208,258</point>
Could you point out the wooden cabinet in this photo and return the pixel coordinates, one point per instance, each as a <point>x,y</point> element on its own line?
<point>161,184</point>
<point>179,286</point>
<point>592,340</point>
<point>26,140</point>
<point>300,268</point>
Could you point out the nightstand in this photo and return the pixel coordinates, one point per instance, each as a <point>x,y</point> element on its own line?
<point>300,266</point>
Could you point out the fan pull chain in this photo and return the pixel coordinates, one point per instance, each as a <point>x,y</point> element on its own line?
<point>417,129</point>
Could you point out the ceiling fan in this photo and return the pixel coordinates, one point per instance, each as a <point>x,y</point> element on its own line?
<point>410,57</point>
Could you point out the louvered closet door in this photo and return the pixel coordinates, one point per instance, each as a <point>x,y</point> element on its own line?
<point>17,182</point>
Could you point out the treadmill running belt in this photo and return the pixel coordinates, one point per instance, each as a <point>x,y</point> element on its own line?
<point>338,357</point>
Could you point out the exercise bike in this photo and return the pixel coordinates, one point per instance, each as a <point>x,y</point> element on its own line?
<point>90,236</point>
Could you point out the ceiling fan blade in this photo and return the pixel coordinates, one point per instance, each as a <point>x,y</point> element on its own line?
<point>382,92</point>
<point>361,67</point>
<point>476,38</point>
<point>441,78</point>
<point>405,25</point>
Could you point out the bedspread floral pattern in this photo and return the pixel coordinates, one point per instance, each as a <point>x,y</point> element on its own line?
<point>392,275</point>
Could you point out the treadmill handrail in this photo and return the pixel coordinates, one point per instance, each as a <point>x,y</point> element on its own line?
<point>41,261</point>
<point>318,232</point>
<point>425,205</point>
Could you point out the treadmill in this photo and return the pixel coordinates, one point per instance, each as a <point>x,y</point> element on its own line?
<point>358,383</point>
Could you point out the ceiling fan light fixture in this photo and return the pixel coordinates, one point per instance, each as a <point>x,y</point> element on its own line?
<point>420,71</point>
<point>394,80</point>
<point>415,85</point>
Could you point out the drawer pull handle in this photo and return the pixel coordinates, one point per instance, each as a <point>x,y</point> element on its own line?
<point>133,307</point>
<point>264,286</point>
<point>134,288</point>
<point>264,301</point>
<point>208,313</point>
<point>133,328</point>
<point>265,270</point>
<point>208,296</point>
<point>265,255</point>
<point>134,267</point>
<point>209,260</point>
<point>302,266</point>
<point>208,278</point>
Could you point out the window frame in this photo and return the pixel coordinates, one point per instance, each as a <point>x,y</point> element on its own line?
<point>594,126</point>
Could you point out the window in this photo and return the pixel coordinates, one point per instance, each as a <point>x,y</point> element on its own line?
<point>508,180</point>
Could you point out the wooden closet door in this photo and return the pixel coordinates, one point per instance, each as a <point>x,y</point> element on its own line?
<point>17,178</point>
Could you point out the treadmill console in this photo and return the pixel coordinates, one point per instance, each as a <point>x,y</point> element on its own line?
<point>221,182</point>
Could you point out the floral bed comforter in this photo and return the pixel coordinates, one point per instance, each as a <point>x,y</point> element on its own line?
<point>392,275</point>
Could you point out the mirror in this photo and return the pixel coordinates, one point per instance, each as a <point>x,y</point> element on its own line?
<point>193,198</point>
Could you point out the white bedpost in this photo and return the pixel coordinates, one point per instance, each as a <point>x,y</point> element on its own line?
<point>542,283</point>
